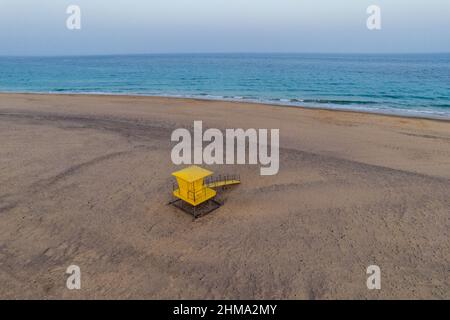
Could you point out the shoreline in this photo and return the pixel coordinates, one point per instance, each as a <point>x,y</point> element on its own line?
<point>399,114</point>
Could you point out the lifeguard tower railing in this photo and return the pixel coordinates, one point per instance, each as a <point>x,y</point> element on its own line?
<point>222,180</point>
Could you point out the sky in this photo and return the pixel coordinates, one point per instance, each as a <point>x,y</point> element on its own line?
<point>38,27</point>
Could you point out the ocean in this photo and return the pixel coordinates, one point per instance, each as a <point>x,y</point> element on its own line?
<point>410,84</point>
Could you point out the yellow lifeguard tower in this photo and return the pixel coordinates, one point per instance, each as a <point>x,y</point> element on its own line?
<point>195,189</point>
<point>191,186</point>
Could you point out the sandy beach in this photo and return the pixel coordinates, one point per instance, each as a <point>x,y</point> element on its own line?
<point>86,179</point>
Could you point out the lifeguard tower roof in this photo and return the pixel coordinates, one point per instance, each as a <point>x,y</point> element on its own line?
<point>192,174</point>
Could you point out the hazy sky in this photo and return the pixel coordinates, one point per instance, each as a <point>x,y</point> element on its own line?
<point>38,27</point>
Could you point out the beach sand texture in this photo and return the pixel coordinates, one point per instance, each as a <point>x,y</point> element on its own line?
<point>85,180</point>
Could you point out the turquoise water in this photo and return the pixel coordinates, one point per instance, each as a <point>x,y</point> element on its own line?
<point>403,84</point>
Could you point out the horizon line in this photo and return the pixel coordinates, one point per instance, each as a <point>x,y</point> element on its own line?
<point>213,52</point>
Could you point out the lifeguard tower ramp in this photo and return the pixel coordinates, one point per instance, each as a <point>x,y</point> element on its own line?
<point>222,181</point>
